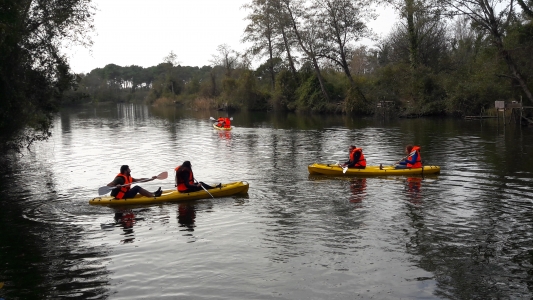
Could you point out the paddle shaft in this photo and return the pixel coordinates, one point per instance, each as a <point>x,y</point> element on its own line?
<point>403,158</point>
<point>204,188</point>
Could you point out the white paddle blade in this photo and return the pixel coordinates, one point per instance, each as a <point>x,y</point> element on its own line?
<point>104,190</point>
<point>212,119</point>
<point>344,170</point>
<point>231,119</point>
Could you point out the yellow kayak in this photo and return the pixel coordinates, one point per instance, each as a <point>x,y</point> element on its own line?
<point>222,128</point>
<point>335,170</point>
<point>228,189</point>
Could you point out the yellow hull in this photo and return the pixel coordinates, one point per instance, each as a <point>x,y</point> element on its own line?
<point>222,128</point>
<point>228,189</point>
<point>370,170</point>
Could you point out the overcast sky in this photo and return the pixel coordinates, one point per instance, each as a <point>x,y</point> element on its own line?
<point>143,32</point>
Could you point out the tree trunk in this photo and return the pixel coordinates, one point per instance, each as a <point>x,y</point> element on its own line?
<point>289,56</point>
<point>497,38</point>
<point>320,79</point>
<point>526,9</point>
<point>346,68</point>
<point>310,53</point>
<point>271,56</point>
<point>413,36</point>
<point>512,68</point>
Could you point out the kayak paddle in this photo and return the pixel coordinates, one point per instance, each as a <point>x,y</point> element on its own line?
<point>344,169</point>
<point>213,119</point>
<point>204,189</point>
<point>106,189</point>
<point>207,191</point>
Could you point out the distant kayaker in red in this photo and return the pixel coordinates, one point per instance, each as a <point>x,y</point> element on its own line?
<point>357,158</point>
<point>413,160</point>
<point>185,182</point>
<point>224,122</point>
<point>220,122</point>
<point>227,122</point>
<point>123,182</point>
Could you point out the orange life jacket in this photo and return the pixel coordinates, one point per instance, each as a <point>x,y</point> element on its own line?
<point>221,122</point>
<point>181,184</point>
<point>418,163</point>
<point>227,123</point>
<point>123,189</point>
<point>362,160</point>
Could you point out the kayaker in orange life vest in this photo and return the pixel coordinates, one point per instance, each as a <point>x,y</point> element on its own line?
<point>413,160</point>
<point>357,159</point>
<point>224,122</point>
<point>220,122</point>
<point>185,182</point>
<point>123,191</point>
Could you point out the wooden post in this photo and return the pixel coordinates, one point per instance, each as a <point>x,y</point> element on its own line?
<point>521,110</point>
<point>500,105</point>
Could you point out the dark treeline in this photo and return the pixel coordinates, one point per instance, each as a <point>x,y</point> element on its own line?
<point>451,57</point>
<point>443,57</point>
<point>33,73</point>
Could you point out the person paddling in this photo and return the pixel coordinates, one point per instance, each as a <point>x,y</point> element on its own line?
<point>413,160</point>
<point>220,122</point>
<point>123,182</point>
<point>185,182</point>
<point>223,122</point>
<point>227,122</point>
<point>357,159</point>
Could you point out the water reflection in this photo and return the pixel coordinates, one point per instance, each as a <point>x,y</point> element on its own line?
<point>224,134</point>
<point>358,189</point>
<point>293,235</point>
<point>414,189</point>
<point>126,220</point>
<point>187,216</point>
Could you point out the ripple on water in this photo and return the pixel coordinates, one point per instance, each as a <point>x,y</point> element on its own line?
<point>465,233</point>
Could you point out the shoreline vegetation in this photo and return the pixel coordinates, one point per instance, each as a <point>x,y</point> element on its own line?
<point>447,57</point>
<point>431,64</point>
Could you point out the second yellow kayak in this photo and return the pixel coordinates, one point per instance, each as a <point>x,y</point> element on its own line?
<point>333,169</point>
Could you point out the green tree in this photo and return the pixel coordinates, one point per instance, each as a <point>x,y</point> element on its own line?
<point>494,18</point>
<point>342,23</point>
<point>33,71</point>
<point>306,29</point>
<point>261,33</point>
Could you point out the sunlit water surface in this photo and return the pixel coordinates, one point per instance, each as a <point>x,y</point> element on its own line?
<point>464,234</point>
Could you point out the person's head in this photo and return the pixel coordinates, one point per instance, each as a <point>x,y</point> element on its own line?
<point>351,148</point>
<point>125,169</point>
<point>409,148</point>
<point>187,164</point>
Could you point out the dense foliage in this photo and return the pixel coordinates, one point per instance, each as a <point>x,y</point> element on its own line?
<point>33,72</point>
<point>444,57</point>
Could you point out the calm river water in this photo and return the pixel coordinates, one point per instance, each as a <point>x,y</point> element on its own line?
<point>464,234</point>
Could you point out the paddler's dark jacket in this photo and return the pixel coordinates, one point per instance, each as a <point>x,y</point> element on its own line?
<point>183,174</point>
